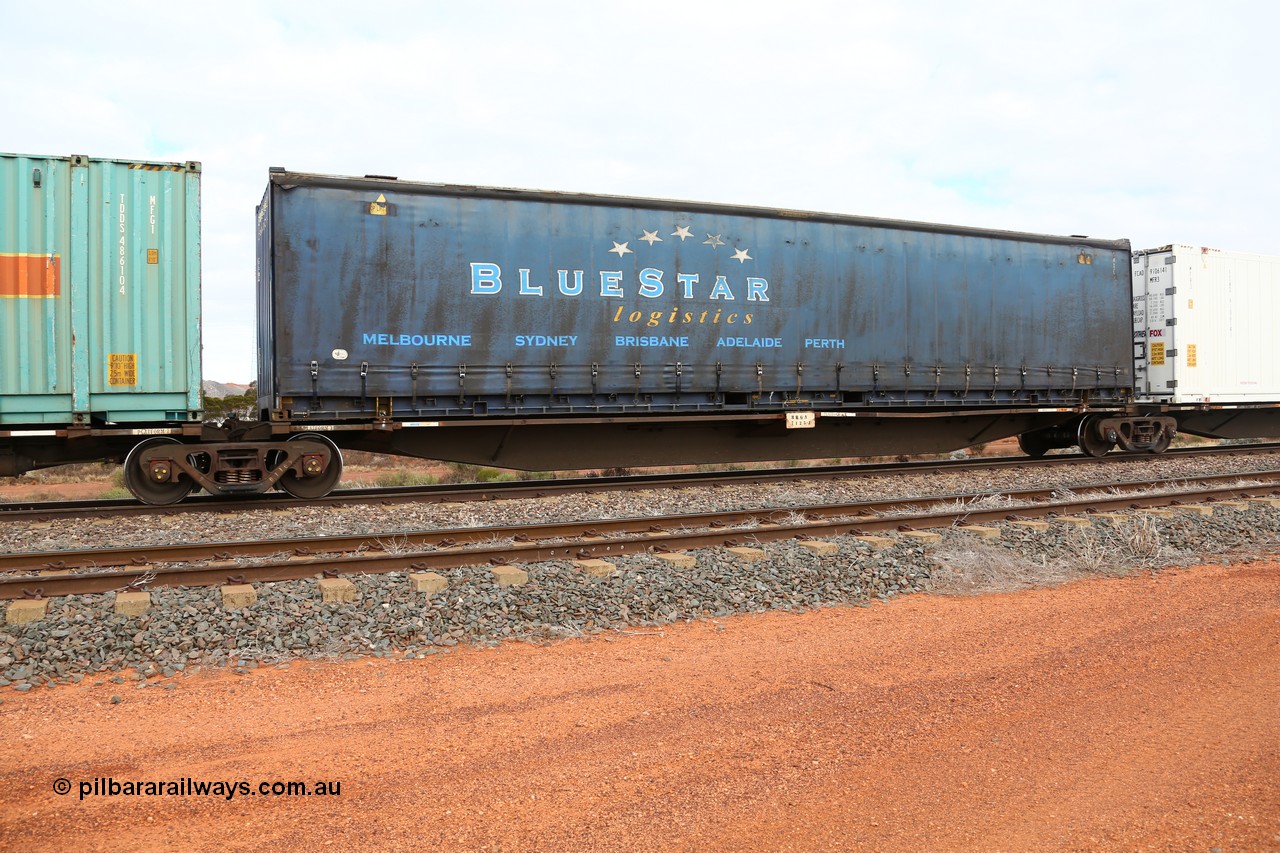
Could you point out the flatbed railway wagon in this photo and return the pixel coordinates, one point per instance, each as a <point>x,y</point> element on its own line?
<point>543,330</point>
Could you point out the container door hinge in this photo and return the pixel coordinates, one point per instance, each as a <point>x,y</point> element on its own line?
<point>1169,291</point>
<point>1172,383</point>
<point>1172,321</point>
<point>1171,353</point>
<point>1171,259</point>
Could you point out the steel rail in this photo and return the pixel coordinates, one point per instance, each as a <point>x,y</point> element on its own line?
<point>516,489</point>
<point>313,547</point>
<point>69,583</point>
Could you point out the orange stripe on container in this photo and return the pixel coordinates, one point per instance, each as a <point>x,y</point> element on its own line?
<point>30,276</point>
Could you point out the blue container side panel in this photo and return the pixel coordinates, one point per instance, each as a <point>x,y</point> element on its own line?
<point>530,303</point>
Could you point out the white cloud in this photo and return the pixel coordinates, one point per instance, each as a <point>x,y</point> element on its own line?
<point>1152,121</point>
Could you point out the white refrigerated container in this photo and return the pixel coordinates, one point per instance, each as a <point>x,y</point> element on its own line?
<point>1206,325</point>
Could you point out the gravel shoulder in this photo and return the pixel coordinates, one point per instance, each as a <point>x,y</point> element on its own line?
<point>1109,713</point>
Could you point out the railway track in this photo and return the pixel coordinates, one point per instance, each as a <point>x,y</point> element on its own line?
<point>510,490</point>
<point>102,570</point>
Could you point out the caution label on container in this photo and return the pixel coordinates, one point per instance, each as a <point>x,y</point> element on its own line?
<point>1191,355</point>
<point>1157,353</point>
<point>122,369</point>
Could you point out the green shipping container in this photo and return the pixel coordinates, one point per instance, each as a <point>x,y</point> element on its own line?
<point>99,291</point>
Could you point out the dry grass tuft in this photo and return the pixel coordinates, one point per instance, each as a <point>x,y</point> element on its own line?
<point>983,567</point>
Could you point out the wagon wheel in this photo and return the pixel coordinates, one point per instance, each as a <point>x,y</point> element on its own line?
<point>148,489</point>
<point>321,484</point>
<point>1033,444</point>
<point>1089,442</point>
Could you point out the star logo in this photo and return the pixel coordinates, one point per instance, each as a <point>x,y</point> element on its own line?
<point>741,256</point>
<point>621,249</point>
<point>651,237</point>
<point>713,241</point>
<point>682,232</point>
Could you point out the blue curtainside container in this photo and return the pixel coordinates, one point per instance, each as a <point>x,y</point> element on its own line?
<point>99,290</point>
<point>389,298</point>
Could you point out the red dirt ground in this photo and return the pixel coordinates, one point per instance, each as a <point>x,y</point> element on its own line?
<point>1132,714</point>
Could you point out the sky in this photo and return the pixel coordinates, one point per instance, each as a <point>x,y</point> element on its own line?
<point>1153,121</point>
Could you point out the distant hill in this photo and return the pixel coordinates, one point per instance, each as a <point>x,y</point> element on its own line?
<point>222,389</point>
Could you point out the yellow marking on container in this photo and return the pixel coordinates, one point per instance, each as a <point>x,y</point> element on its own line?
<point>378,207</point>
<point>1191,355</point>
<point>1083,258</point>
<point>122,369</point>
<point>153,256</point>
<point>1157,353</point>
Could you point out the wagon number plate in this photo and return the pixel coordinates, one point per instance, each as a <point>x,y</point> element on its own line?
<point>800,420</point>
